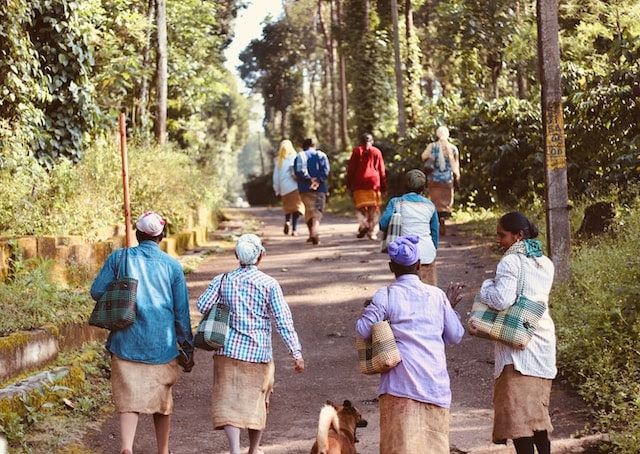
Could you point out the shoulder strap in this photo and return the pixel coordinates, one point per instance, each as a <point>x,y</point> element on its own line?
<point>123,258</point>
<point>521,277</point>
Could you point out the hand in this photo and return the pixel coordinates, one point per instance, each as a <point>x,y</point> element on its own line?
<point>315,184</point>
<point>453,293</point>
<point>298,365</point>
<point>185,360</point>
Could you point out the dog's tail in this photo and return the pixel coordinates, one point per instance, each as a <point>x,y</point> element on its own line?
<point>328,418</point>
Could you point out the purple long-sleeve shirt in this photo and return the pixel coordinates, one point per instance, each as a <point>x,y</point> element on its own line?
<point>423,322</point>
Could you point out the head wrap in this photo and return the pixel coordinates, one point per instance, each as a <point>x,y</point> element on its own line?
<point>415,180</point>
<point>248,249</point>
<point>150,223</point>
<point>404,250</point>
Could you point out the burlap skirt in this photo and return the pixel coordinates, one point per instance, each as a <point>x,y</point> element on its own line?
<point>241,392</point>
<point>441,194</point>
<point>521,405</point>
<point>366,198</point>
<point>292,202</point>
<point>428,273</point>
<point>142,388</point>
<point>314,203</point>
<point>410,427</point>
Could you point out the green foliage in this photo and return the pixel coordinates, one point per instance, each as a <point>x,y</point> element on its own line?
<point>30,299</point>
<point>58,33</point>
<point>598,327</point>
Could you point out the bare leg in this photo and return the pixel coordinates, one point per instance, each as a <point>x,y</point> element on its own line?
<point>128,426</point>
<point>361,216</point>
<point>233,435</point>
<point>254,441</point>
<point>162,424</point>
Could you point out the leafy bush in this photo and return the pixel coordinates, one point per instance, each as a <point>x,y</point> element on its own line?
<point>598,328</point>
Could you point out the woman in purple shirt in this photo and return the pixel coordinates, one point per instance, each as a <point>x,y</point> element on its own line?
<point>415,396</point>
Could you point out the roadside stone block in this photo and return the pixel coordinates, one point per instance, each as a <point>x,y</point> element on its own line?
<point>24,350</point>
<point>29,246</point>
<point>47,247</point>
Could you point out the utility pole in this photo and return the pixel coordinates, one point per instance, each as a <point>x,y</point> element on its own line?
<point>555,159</point>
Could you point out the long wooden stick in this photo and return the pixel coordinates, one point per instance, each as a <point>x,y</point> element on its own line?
<point>125,177</point>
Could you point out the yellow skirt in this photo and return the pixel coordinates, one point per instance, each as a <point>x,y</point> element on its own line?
<point>142,388</point>
<point>366,198</point>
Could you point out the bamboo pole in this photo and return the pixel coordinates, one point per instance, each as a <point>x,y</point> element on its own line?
<point>125,177</point>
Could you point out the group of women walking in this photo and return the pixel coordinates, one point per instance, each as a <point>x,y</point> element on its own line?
<point>414,397</point>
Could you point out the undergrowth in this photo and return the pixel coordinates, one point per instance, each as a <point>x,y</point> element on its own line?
<point>598,328</point>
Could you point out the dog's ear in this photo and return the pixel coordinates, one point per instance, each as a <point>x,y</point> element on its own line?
<point>347,404</point>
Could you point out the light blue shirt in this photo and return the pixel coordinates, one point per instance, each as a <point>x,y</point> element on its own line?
<point>423,322</point>
<point>162,305</point>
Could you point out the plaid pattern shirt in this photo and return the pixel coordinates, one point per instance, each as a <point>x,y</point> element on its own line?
<point>254,299</point>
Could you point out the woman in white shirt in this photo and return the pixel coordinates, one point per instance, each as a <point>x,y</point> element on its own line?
<point>285,186</point>
<point>523,378</point>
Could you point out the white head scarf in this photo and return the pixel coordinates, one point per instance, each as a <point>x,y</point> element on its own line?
<point>248,249</point>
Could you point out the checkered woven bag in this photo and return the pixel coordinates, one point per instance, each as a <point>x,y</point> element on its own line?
<point>513,326</point>
<point>116,308</point>
<point>381,353</point>
<point>214,326</point>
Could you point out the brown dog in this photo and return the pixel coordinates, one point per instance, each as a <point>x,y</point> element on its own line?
<point>337,429</point>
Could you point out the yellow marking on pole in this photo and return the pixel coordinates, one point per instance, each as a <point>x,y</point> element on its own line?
<point>554,140</point>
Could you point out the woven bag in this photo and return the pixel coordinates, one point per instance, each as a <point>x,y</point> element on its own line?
<point>513,326</point>
<point>394,229</point>
<point>381,353</point>
<point>116,308</point>
<point>214,326</point>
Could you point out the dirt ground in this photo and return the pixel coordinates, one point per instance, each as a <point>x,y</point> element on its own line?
<point>325,286</point>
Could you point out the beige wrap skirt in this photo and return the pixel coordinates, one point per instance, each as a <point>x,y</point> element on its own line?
<point>521,405</point>
<point>292,203</point>
<point>241,392</point>
<point>142,388</point>
<point>409,426</point>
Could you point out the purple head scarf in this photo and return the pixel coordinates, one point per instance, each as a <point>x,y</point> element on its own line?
<point>404,250</point>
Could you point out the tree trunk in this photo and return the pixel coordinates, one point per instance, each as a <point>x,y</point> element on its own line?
<point>143,94</point>
<point>331,72</point>
<point>402,122</point>
<point>413,82</point>
<point>160,128</point>
<point>344,131</point>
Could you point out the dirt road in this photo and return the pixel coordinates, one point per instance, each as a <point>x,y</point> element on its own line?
<point>325,286</point>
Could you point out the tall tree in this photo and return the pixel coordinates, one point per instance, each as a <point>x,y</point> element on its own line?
<point>402,122</point>
<point>160,125</point>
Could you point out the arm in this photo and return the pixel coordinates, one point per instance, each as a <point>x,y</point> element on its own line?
<point>182,322</point>
<point>210,296</point>
<point>383,173</point>
<point>106,275</point>
<point>500,292</point>
<point>374,312</point>
<point>453,329</point>
<point>386,216</point>
<point>434,226</point>
<point>351,169</point>
<point>276,179</point>
<point>300,167</point>
<point>426,154</point>
<point>281,314</point>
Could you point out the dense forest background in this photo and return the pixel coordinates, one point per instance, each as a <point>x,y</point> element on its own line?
<point>331,69</point>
